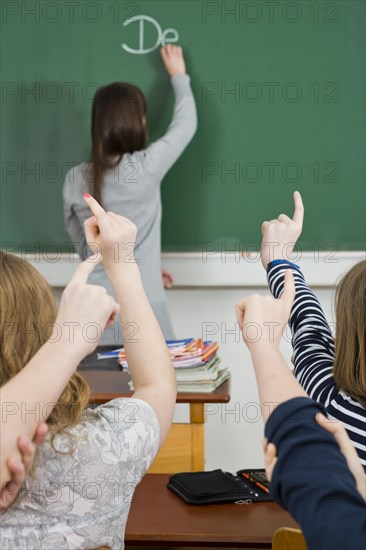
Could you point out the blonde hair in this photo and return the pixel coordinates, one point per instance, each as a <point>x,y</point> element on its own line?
<point>350,347</point>
<point>27,314</point>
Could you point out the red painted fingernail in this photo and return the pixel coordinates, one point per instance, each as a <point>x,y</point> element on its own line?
<point>87,195</point>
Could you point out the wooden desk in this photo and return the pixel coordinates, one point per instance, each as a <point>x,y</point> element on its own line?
<point>183,450</point>
<point>159,518</point>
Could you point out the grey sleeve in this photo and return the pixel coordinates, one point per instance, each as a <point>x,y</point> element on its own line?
<point>72,223</point>
<point>163,153</point>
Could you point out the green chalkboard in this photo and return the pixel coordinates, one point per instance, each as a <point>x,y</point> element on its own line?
<point>280,90</point>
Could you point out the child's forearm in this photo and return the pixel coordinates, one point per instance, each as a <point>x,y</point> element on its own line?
<point>276,383</point>
<point>148,358</point>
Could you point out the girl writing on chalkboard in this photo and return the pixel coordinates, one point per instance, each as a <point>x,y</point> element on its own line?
<point>125,175</point>
<point>333,373</point>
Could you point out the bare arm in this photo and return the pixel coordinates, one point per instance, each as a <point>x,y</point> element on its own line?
<point>312,339</point>
<point>275,382</point>
<point>148,358</point>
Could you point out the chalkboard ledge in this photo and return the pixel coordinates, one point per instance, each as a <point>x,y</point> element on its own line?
<point>223,270</point>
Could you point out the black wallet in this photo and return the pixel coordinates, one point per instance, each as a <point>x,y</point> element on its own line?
<point>218,486</point>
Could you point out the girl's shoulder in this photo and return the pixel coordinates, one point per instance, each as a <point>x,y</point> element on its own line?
<point>134,167</point>
<point>146,163</point>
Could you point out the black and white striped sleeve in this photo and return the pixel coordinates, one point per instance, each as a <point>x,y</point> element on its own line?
<point>314,354</point>
<point>312,340</point>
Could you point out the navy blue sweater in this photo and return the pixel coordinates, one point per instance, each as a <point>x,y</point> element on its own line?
<point>312,481</point>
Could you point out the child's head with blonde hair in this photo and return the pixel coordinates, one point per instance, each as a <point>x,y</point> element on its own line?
<point>27,316</point>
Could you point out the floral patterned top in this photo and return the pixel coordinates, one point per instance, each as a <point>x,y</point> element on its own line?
<point>79,498</point>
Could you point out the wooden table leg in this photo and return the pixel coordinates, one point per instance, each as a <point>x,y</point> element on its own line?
<point>197,419</point>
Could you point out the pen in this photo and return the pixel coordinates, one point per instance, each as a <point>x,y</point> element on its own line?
<point>265,489</point>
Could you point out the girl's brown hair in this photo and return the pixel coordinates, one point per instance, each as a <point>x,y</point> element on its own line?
<point>350,347</point>
<point>27,315</point>
<point>118,127</point>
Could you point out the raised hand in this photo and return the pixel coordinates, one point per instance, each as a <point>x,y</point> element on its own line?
<point>280,235</point>
<point>82,306</point>
<point>109,234</point>
<point>19,468</point>
<point>262,319</point>
<point>173,59</point>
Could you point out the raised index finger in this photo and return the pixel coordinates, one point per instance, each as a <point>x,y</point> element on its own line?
<point>94,206</point>
<point>83,270</point>
<point>299,209</point>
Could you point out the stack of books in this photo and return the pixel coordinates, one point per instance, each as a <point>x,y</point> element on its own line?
<point>197,366</point>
